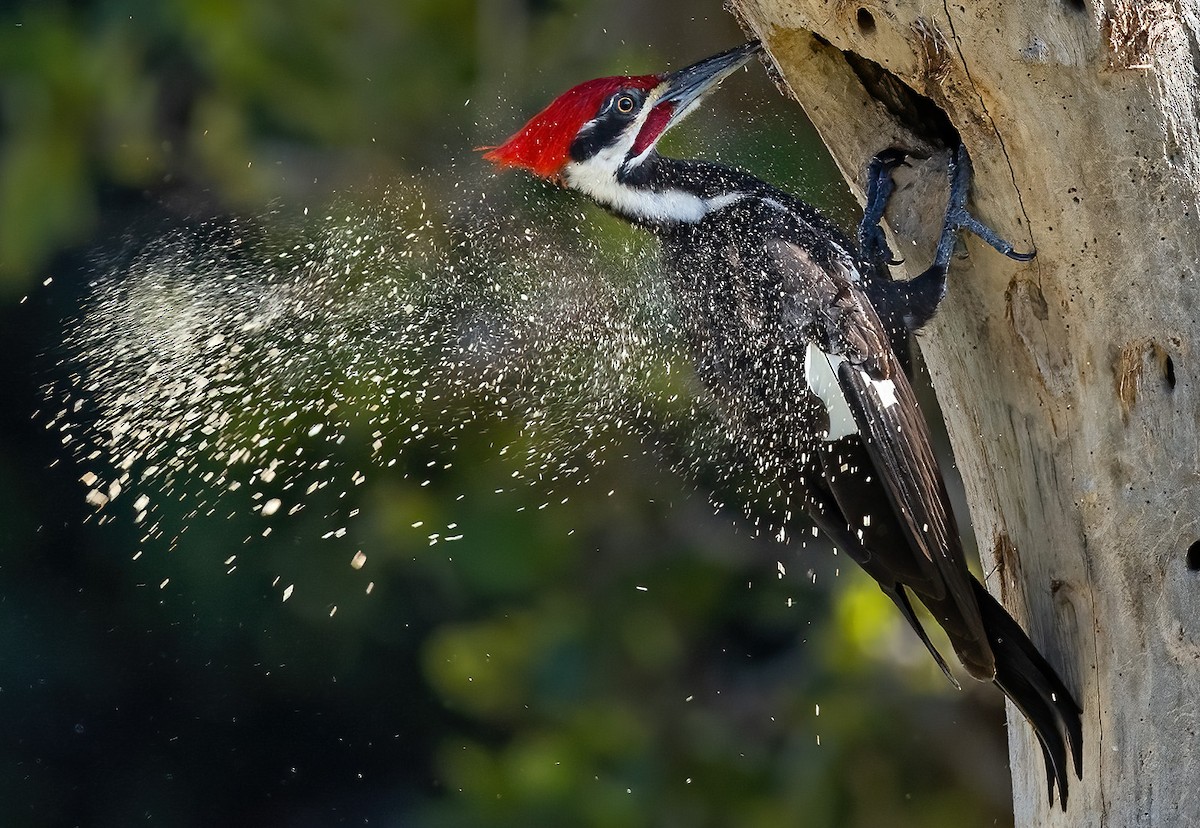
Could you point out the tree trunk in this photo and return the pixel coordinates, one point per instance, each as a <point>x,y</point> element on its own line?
<point>1069,384</point>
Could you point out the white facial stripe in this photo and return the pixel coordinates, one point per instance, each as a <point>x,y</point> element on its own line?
<point>597,178</point>
<point>680,114</point>
<point>630,163</point>
<point>675,118</point>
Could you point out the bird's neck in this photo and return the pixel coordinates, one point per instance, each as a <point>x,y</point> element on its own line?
<point>661,193</point>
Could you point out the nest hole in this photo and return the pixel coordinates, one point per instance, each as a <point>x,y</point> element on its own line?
<point>918,112</point>
<point>1193,557</point>
<point>865,20</point>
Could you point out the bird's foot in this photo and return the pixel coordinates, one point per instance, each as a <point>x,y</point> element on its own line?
<point>959,218</point>
<point>872,242</point>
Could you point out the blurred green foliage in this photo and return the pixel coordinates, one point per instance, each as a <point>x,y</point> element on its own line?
<point>628,658</point>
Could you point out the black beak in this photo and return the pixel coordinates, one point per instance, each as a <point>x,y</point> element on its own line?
<point>678,93</point>
<point>686,87</point>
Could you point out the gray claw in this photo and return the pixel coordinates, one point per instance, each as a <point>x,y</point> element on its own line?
<point>872,242</point>
<point>959,218</point>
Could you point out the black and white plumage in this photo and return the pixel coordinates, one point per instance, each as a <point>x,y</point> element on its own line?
<point>795,331</point>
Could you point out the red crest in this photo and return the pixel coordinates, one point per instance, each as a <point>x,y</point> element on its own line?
<point>543,145</point>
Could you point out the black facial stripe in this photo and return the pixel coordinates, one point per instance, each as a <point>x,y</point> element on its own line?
<point>609,124</point>
<point>602,133</point>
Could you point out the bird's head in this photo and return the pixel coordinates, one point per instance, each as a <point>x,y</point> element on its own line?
<point>596,135</point>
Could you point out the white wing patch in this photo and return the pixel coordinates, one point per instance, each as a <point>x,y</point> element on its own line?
<point>885,388</point>
<point>820,372</point>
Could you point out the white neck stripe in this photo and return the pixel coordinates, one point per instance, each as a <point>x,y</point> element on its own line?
<point>596,177</point>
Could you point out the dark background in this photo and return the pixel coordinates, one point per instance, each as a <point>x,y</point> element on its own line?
<point>630,657</point>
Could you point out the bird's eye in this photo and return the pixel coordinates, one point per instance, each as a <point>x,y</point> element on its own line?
<point>626,104</point>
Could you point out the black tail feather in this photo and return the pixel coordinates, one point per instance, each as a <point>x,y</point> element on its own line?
<point>900,597</point>
<point>1033,686</point>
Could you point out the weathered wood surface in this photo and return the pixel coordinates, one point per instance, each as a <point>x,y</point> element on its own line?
<point>1069,384</point>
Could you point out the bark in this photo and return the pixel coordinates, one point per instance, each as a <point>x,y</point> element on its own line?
<point>1070,384</point>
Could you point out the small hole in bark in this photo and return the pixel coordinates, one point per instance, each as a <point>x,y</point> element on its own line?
<point>866,21</point>
<point>1076,5</point>
<point>1193,557</point>
<point>1169,372</point>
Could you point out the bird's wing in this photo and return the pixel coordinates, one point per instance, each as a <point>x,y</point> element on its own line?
<point>890,426</point>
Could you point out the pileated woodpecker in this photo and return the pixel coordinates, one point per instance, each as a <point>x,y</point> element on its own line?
<point>795,331</point>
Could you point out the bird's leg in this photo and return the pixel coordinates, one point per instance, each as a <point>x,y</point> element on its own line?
<point>872,242</point>
<point>925,292</point>
<point>959,218</point>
